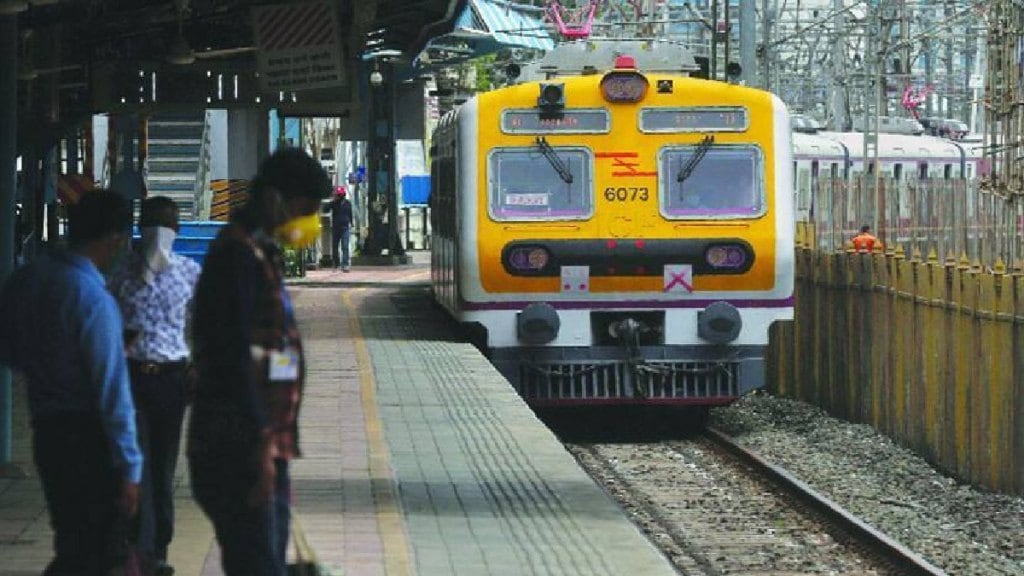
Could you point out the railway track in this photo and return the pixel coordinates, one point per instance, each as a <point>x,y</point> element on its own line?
<point>716,508</point>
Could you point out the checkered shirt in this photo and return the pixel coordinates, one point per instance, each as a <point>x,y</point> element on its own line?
<point>159,310</point>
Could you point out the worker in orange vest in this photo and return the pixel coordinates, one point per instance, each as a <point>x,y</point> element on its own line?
<point>865,242</point>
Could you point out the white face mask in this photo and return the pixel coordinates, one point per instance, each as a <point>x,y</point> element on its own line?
<point>156,250</point>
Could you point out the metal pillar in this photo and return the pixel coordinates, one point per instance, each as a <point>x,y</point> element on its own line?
<point>395,246</point>
<point>380,163</point>
<point>8,181</point>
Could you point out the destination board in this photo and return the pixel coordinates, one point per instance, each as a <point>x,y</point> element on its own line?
<point>694,120</point>
<point>572,121</point>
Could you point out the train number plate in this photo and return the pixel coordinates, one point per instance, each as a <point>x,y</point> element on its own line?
<point>526,199</point>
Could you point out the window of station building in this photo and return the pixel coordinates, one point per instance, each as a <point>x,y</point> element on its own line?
<point>529,184</point>
<point>728,182</point>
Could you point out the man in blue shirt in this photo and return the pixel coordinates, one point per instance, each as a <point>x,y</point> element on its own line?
<point>62,329</point>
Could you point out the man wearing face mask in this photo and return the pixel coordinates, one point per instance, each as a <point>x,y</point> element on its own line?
<point>62,329</point>
<point>154,290</point>
<point>244,425</point>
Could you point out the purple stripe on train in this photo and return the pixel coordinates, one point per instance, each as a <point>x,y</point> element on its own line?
<point>604,304</point>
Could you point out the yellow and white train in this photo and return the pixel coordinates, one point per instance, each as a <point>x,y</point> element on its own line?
<point>617,235</point>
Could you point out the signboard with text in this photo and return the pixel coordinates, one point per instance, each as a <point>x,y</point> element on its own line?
<point>297,46</point>
<point>569,121</point>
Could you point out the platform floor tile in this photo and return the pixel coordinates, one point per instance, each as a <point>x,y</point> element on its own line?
<point>484,487</point>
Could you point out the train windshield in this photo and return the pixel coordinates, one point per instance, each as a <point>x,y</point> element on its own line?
<point>540,183</point>
<point>720,181</point>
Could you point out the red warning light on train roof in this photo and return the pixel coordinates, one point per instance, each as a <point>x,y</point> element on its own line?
<point>625,62</point>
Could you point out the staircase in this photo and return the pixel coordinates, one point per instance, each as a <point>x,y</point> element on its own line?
<point>175,158</point>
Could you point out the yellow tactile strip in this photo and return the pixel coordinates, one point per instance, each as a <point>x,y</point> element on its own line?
<point>389,515</point>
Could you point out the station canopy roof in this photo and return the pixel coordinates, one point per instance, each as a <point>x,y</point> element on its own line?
<point>92,56</point>
<point>485,26</point>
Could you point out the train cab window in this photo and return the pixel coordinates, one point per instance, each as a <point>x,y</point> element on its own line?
<point>534,184</point>
<point>726,182</point>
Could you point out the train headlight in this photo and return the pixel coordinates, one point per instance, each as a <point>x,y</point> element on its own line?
<point>528,258</point>
<point>719,323</point>
<point>726,256</point>
<point>624,84</point>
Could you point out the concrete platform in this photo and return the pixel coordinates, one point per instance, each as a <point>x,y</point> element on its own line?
<point>419,458</point>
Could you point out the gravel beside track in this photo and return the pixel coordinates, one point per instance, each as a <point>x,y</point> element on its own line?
<point>962,530</point>
<point>712,517</point>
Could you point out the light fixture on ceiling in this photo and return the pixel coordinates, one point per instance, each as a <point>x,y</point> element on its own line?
<point>180,53</point>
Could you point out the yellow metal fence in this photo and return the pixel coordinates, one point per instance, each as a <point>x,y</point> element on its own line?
<point>929,352</point>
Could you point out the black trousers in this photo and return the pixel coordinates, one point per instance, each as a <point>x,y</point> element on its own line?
<point>159,409</point>
<point>81,486</point>
<point>253,540</point>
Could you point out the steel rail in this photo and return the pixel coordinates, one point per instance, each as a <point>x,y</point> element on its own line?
<point>905,559</point>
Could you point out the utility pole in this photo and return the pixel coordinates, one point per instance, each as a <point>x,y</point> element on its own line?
<point>748,50</point>
<point>766,37</point>
<point>904,71</point>
<point>929,76</point>
<point>878,32</point>
<point>839,76</point>
<point>967,105</point>
<point>950,10</point>
<point>713,63</point>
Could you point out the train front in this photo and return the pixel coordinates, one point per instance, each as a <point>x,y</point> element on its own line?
<point>626,237</point>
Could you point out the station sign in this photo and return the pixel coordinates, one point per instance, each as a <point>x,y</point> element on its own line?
<point>297,46</point>
<point>711,119</point>
<point>568,121</point>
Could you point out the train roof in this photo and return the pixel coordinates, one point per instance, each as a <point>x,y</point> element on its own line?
<point>902,146</point>
<point>597,55</point>
<point>813,145</point>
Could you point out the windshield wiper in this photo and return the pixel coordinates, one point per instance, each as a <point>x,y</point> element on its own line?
<point>554,160</point>
<point>698,155</point>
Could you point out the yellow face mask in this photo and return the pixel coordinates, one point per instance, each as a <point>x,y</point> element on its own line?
<point>299,232</point>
